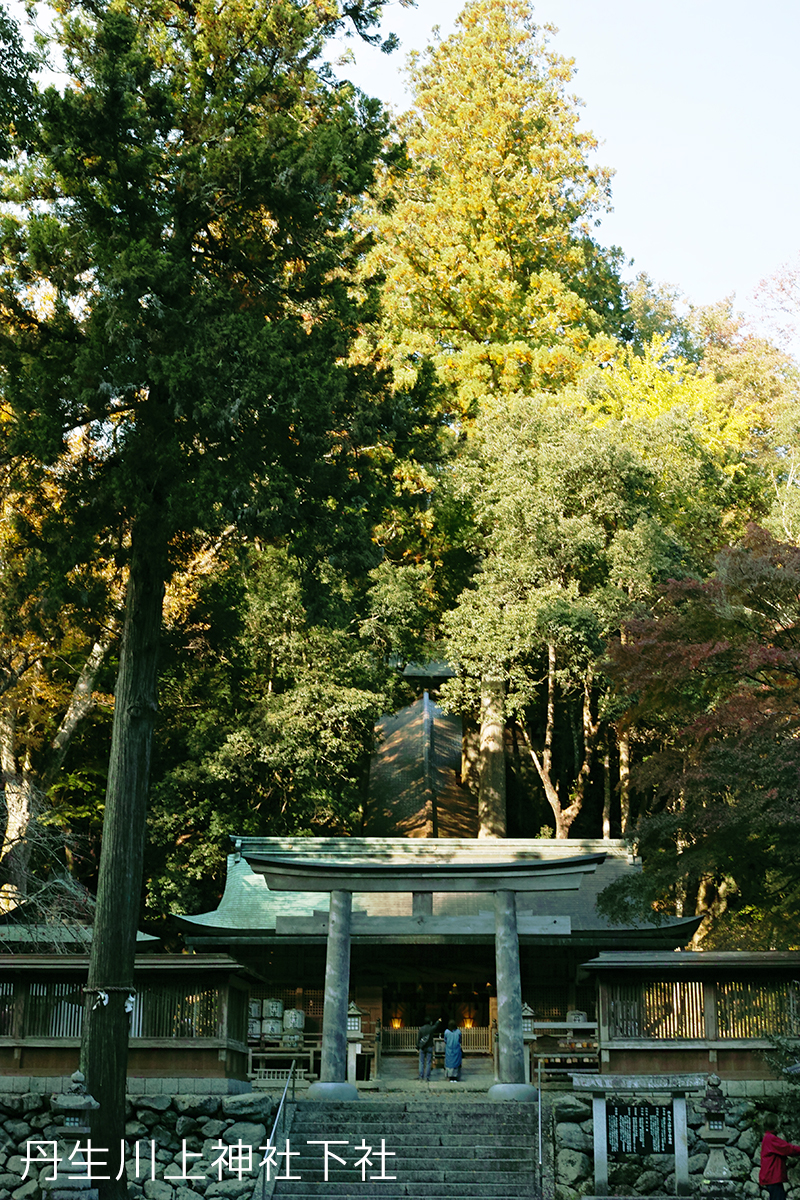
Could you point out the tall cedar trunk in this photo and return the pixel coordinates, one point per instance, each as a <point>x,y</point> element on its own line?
<point>564,817</point>
<point>492,787</point>
<point>625,814</point>
<point>104,1050</point>
<point>624,743</point>
<point>606,789</point>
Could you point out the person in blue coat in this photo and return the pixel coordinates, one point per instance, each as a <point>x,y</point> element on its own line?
<point>452,1052</point>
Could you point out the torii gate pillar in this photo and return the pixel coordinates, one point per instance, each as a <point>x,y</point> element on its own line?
<point>333,1072</point>
<point>510,1044</point>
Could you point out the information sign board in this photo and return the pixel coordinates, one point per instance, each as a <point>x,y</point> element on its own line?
<point>640,1128</point>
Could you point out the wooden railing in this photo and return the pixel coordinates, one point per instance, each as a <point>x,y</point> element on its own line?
<point>476,1040</point>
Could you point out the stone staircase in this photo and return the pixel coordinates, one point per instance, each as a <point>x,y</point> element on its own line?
<point>442,1149</point>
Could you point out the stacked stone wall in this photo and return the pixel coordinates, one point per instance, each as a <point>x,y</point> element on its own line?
<point>572,1132</point>
<point>166,1128</point>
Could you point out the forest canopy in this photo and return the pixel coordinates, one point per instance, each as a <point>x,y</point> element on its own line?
<point>293,394</point>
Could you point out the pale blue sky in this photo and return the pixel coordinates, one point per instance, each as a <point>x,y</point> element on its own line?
<point>696,105</point>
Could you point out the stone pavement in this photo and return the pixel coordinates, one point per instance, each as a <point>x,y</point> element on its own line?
<point>399,1073</point>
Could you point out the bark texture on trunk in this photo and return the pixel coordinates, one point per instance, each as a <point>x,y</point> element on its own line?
<point>104,1050</point>
<point>625,814</point>
<point>564,816</point>
<point>20,797</point>
<point>492,792</point>
<point>24,787</point>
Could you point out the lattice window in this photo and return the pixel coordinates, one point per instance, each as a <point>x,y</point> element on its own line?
<point>6,1008</point>
<point>171,1012</point>
<point>750,1009</point>
<point>549,1003</point>
<point>657,1009</point>
<point>54,1010</point>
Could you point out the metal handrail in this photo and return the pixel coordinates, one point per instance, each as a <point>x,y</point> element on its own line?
<point>270,1140</point>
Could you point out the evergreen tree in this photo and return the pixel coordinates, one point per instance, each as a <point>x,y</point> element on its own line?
<point>178,298</point>
<point>485,233</point>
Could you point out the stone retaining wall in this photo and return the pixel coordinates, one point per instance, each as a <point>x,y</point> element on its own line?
<point>654,1174</point>
<point>213,1136</point>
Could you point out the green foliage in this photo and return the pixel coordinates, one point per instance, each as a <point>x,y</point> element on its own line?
<point>655,311</point>
<point>176,278</point>
<point>584,504</point>
<point>713,676</point>
<point>16,92</point>
<point>485,233</point>
<point>268,712</point>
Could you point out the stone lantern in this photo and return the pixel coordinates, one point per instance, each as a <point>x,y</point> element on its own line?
<point>71,1176</point>
<point>717,1178</point>
<point>355,1016</point>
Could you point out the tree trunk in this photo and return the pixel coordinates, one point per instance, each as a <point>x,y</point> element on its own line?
<point>20,801</point>
<point>625,815</point>
<point>81,703</point>
<point>470,753</point>
<point>23,789</point>
<point>624,744</point>
<point>492,792</point>
<point>564,817</point>
<point>104,1050</point>
<point>606,788</point>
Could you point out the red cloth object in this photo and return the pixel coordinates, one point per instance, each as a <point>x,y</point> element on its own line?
<point>774,1152</point>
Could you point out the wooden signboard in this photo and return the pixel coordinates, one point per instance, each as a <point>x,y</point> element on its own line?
<point>640,1128</point>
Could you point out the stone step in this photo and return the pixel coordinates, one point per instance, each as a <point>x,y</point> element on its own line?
<point>449,1104</point>
<point>461,1151</point>
<point>449,1119</point>
<point>462,1143</point>
<point>365,1192</point>
<point>456,1191</point>
<point>431,1173</point>
<point>449,1116</point>
<point>416,1169</point>
<point>490,1152</point>
<point>332,1129</point>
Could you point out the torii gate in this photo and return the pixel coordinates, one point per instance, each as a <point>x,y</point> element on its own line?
<point>341,880</point>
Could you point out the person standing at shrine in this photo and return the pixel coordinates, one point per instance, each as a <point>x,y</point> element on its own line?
<point>427,1033</point>
<point>772,1173</point>
<point>453,1053</point>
